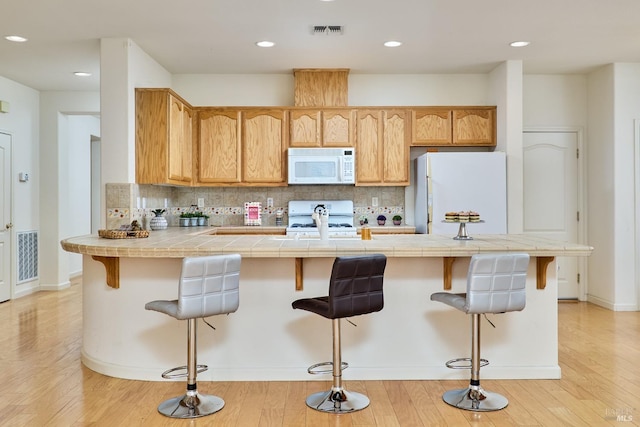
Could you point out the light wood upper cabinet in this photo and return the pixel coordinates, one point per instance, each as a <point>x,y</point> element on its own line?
<point>396,146</point>
<point>464,126</point>
<point>338,128</point>
<point>305,128</point>
<point>431,126</point>
<point>321,128</point>
<point>382,147</point>
<point>164,138</point>
<point>219,153</point>
<point>264,146</point>
<point>474,126</point>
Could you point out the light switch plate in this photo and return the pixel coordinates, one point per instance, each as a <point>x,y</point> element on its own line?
<point>374,201</point>
<point>201,202</point>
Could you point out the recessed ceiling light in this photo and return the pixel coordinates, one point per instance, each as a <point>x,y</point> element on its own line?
<point>18,39</point>
<point>392,43</point>
<point>82,73</point>
<point>265,43</point>
<point>519,44</point>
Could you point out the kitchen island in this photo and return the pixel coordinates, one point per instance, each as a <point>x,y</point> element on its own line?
<point>266,339</point>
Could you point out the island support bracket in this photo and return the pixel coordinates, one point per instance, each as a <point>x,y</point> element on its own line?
<point>112,267</point>
<point>541,271</point>
<point>299,284</point>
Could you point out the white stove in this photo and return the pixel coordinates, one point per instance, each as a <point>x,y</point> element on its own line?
<point>302,224</point>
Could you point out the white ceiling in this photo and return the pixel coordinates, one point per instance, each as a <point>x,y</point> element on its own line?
<point>218,36</point>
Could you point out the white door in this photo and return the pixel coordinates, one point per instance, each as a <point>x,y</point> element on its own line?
<point>551,197</point>
<point>5,217</point>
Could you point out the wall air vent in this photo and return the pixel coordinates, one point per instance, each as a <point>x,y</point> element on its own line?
<point>27,256</point>
<point>336,30</point>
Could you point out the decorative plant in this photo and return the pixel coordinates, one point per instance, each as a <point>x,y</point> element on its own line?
<point>158,212</point>
<point>363,220</point>
<point>186,215</point>
<point>397,219</point>
<point>381,219</point>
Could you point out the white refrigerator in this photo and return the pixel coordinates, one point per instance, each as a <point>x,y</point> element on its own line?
<point>454,182</point>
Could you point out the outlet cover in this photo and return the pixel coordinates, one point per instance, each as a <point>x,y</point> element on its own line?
<point>201,202</point>
<point>374,201</point>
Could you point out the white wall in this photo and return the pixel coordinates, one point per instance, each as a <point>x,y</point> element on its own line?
<point>558,101</point>
<point>364,89</point>
<point>22,123</point>
<point>506,94</point>
<point>235,90</point>
<point>601,191</point>
<point>414,89</point>
<point>55,170</point>
<point>81,128</point>
<point>123,67</point>
<point>627,109</point>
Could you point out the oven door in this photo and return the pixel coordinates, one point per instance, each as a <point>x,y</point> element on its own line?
<point>315,170</point>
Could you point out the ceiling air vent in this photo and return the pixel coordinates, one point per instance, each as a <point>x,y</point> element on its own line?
<point>336,30</point>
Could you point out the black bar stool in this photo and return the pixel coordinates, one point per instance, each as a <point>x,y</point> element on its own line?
<point>495,284</point>
<point>208,286</point>
<point>355,288</point>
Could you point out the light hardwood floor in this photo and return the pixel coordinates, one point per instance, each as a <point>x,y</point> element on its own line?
<point>43,383</point>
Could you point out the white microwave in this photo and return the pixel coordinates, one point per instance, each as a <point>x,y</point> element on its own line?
<point>321,165</point>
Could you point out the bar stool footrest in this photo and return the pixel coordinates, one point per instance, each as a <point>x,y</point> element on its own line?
<point>181,372</point>
<point>313,369</point>
<point>454,363</point>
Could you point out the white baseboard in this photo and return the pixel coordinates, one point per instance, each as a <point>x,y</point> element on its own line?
<point>29,288</point>
<point>25,289</point>
<point>218,373</point>
<point>611,305</point>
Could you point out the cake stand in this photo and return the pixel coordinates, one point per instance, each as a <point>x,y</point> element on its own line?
<point>462,230</point>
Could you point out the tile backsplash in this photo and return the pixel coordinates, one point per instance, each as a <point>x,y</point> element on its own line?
<point>223,205</point>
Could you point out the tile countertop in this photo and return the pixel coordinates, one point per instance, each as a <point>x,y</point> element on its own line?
<point>178,242</point>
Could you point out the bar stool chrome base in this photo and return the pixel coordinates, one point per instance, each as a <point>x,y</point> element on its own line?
<point>191,405</point>
<point>337,401</point>
<point>475,398</point>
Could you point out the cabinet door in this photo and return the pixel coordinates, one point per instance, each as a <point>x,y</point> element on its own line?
<point>326,128</point>
<point>180,142</point>
<point>474,127</point>
<point>219,146</point>
<point>395,137</point>
<point>304,128</point>
<point>164,138</point>
<point>264,147</point>
<point>187,144</point>
<point>431,127</point>
<point>369,154</point>
<point>338,128</point>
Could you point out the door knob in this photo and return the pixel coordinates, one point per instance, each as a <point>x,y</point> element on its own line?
<point>8,226</point>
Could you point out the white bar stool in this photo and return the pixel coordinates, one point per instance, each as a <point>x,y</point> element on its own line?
<point>495,284</point>
<point>208,286</point>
